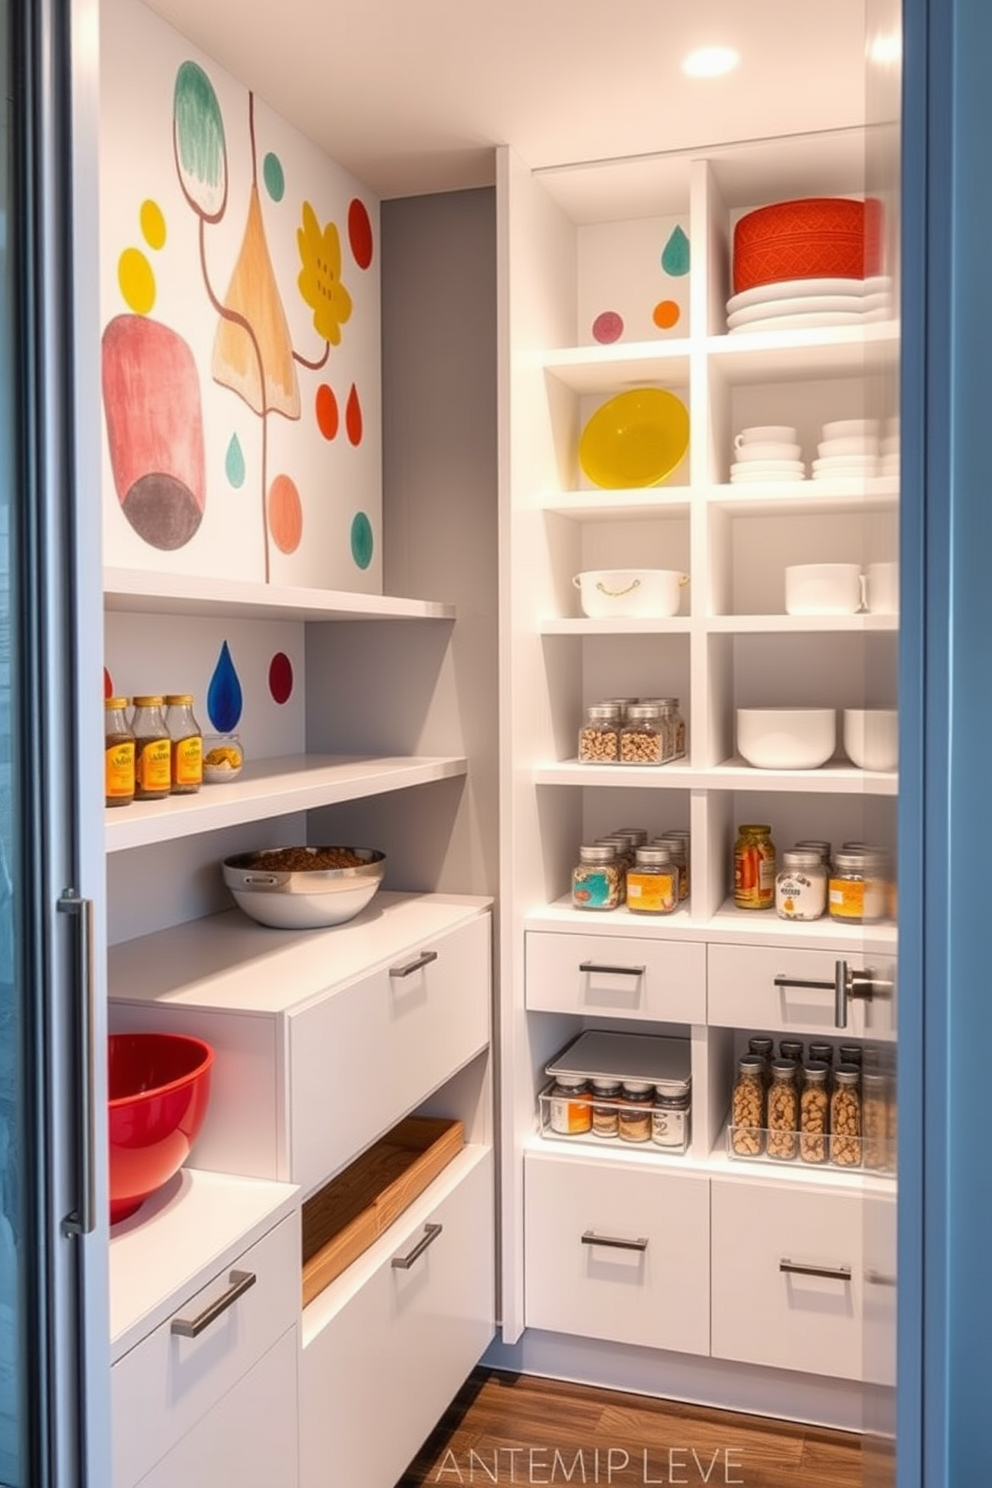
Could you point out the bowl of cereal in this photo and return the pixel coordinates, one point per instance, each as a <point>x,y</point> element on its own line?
<point>296,888</point>
<point>223,758</point>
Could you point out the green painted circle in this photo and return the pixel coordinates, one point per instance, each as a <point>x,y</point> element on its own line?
<point>362,542</point>
<point>272,174</point>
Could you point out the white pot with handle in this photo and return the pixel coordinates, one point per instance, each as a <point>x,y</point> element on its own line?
<point>630,593</point>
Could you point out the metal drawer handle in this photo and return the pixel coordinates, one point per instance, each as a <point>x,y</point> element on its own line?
<point>82,1220</point>
<point>424,959</point>
<point>801,1268</point>
<point>431,1232</point>
<point>190,1327</point>
<point>612,970</point>
<point>847,983</point>
<point>591,1238</point>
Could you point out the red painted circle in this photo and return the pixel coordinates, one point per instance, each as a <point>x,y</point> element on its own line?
<point>281,677</point>
<point>353,416</point>
<point>360,233</point>
<point>607,327</point>
<point>326,409</point>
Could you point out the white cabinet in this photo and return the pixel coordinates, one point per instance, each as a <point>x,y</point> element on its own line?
<point>710,971</point>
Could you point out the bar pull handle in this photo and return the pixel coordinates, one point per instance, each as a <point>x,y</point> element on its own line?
<point>424,959</point>
<point>192,1327</point>
<point>431,1232</point>
<point>847,983</point>
<point>634,971</point>
<point>82,1220</point>
<point>802,1268</point>
<point>786,981</point>
<point>614,1241</point>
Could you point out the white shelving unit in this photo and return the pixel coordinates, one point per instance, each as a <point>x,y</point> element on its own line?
<point>731,646</point>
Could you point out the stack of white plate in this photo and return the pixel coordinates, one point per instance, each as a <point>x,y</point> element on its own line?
<point>797,304</point>
<point>888,463</point>
<point>848,449</point>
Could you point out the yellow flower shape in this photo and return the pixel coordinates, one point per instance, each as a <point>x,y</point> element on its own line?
<point>320,277</point>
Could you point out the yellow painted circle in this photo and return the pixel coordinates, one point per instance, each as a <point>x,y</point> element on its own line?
<point>137,280</point>
<point>152,224</point>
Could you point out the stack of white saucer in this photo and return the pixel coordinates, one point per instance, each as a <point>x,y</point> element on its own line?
<point>848,450</point>
<point>802,304</point>
<point>888,463</point>
<point>767,452</point>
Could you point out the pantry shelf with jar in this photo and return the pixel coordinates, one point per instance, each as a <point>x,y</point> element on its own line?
<point>740,639</point>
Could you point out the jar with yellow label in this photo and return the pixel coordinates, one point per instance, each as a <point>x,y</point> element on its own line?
<point>571,1106</point>
<point>857,888</point>
<point>754,867</point>
<point>653,882</point>
<point>152,750</point>
<point>118,753</point>
<point>186,744</point>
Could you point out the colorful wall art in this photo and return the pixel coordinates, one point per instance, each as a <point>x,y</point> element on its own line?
<point>240,313</point>
<point>633,280</point>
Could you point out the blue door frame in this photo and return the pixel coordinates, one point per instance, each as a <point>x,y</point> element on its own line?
<point>945,1020</point>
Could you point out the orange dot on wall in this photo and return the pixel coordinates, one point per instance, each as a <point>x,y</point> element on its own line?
<point>326,408</point>
<point>285,514</point>
<point>666,314</point>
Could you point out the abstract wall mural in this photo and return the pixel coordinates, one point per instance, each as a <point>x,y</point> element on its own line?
<point>240,350</point>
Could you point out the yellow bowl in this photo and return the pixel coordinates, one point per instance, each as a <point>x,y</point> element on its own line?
<point>636,439</point>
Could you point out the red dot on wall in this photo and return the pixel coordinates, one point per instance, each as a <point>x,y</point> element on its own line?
<point>108,686</point>
<point>281,677</point>
<point>360,233</point>
<point>326,407</point>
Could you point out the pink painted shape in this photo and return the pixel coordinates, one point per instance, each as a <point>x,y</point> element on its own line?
<point>281,677</point>
<point>151,401</point>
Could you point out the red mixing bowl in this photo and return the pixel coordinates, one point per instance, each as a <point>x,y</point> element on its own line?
<point>814,237</point>
<point>158,1092</point>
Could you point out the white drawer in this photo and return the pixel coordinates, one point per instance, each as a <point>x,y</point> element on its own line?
<point>385,1349</point>
<point>743,992</point>
<point>360,1058</point>
<point>249,1438</point>
<point>168,1382</point>
<point>616,976</point>
<point>656,1294</point>
<point>766,1308</point>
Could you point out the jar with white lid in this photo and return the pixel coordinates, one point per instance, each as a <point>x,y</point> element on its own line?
<point>801,886</point>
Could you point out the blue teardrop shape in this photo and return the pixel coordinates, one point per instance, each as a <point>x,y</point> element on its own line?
<point>675,256</point>
<point>224,699</point>
<point>234,463</point>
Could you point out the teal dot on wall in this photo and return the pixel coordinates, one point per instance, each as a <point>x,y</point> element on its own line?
<point>362,542</point>
<point>675,254</point>
<point>234,463</point>
<point>272,174</point>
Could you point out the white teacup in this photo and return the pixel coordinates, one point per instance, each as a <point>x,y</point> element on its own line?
<point>766,434</point>
<point>823,589</point>
<point>769,452</point>
<point>851,428</point>
<point>883,588</point>
<point>871,737</point>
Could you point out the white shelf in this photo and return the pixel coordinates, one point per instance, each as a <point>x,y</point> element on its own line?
<point>729,925</point>
<point>773,356</point>
<point>678,625</point>
<point>676,776</point>
<point>198,1220</point>
<point>844,497</point>
<point>610,369</point>
<point>619,504</point>
<point>800,624</point>
<point>272,787</point>
<point>143,592</point>
<point>829,779</point>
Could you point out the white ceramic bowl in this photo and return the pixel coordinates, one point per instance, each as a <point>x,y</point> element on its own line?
<point>786,738</point>
<point>769,451</point>
<point>871,737</point>
<point>823,589</point>
<point>631,593</point>
<point>303,898</point>
<point>765,434</point>
<point>850,428</point>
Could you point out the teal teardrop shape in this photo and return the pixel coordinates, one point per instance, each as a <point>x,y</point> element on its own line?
<point>201,150</point>
<point>224,697</point>
<point>675,255</point>
<point>362,541</point>
<point>234,463</point>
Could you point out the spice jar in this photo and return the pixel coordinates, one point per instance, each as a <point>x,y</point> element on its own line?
<point>118,754</point>
<point>605,1108</point>
<point>754,868</point>
<point>801,886</point>
<point>684,837</point>
<point>791,1049</point>
<point>636,1100</point>
<point>152,750</point>
<point>676,846</point>
<point>814,1112</point>
<point>597,878</point>
<point>851,1054</point>
<point>672,716</point>
<point>845,1117</point>
<point>643,736</point>
<point>571,1105</point>
<point>820,846</point>
<point>747,1107</point>
<point>857,888</point>
<point>822,1053</point>
<point>653,882</point>
<point>783,1110</point>
<point>670,1117</point>
<point>875,1098</point>
<point>765,1050</point>
<point>186,744</point>
<point>599,737</point>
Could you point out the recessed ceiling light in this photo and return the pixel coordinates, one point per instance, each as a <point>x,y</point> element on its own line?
<point>710,61</point>
<point>887,47</point>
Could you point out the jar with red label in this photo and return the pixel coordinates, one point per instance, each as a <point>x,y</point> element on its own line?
<point>754,867</point>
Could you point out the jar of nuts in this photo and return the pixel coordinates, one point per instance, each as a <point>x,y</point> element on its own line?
<point>875,1096</point>
<point>597,878</point>
<point>599,736</point>
<point>644,738</point>
<point>845,1117</point>
<point>814,1112</point>
<point>783,1111</point>
<point>747,1107</point>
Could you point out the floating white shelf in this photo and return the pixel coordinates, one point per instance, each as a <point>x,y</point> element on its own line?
<point>733,775</point>
<point>678,625</point>
<point>810,497</point>
<point>677,776</point>
<point>610,369</point>
<point>772,356</point>
<point>273,787</point>
<point>138,591</point>
<point>799,624</point>
<point>619,504</point>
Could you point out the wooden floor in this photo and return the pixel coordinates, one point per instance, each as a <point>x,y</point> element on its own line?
<point>516,1429</point>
